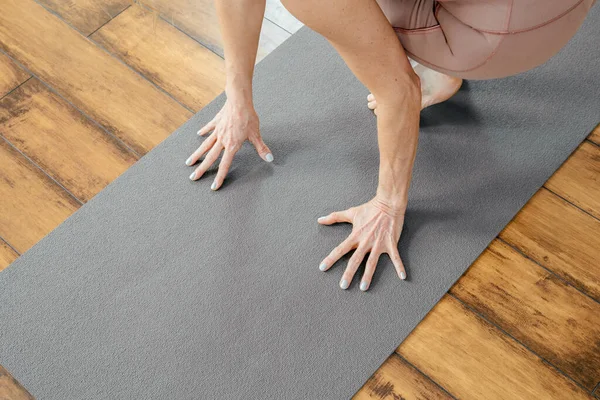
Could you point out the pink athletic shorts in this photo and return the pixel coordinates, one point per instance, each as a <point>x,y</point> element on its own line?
<point>484,39</point>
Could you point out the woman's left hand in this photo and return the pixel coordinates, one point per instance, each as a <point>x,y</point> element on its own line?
<point>377,228</point>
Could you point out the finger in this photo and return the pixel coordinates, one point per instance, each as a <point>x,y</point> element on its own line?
<point>336,217</point>
<point>370,97</point>
<point>209,160</point>
<point>223,169</point>
<point>208,127</point>
<point>337,253</point>
<point>352,267</point>
<point>262,149</point>
<point>369,270</point>
<point>204,147</point>
<point>397,261</point>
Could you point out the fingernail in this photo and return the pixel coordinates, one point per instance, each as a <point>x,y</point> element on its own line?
<point>364,286</point>
<point>214,185</point>
<point>193,175</point>
<point>344,284</point>
<point>402,275</point>
<point>269,157</point>
<point>320,218</point>
<point>188,162</point>
<point>323,266</point>
<point>198,133</point>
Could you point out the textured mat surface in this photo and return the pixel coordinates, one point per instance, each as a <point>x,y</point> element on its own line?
<point>160,288</point>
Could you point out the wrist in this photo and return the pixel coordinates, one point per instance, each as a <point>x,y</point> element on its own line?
<point>239,90</point>
<point>389,205</point>
<point>393,186</point>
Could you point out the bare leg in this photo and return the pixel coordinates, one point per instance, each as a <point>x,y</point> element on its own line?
<point>362,35</point>
<point>435,87</point>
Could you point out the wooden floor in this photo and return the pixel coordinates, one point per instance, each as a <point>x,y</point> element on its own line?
<point>89,86</point>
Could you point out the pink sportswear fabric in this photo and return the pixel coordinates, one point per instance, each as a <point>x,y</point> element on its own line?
<point>484,39</point>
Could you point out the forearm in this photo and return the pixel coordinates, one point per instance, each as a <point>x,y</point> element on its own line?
<point>398,132</point>
<point>360,32</point>
<point>240,22</point>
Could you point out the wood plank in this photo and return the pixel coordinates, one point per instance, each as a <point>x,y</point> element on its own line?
<point>7,256</point>
<point>279,15</point>
<point>198,18</point>
<point>86,15</point>
<point>11,75</point>
<point>172,60</point>
<point>561,237</point>
<point>474,360</point>
<point>578,179</point>
<point>95,82</point>
<point>31,204</point>
<point>595,135</point>
<point>548,316</point>
<point>63,142</point>
<point>10,389</point>
<point>396,379</point>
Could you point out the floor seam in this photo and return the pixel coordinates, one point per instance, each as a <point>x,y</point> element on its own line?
<point>41,169</point>
<point>571,203</point>
<point>161,16</point>
<point>276,24</point>
<point>10,245</point>
<point>92,120</point>
<point>592,142</point>
<point>480,315</point>
<point>106,23</point>
<point>547,269</point>
<point>15,88</point>
<point>160,88</point>
<point>117,58</point>
<point>400,356</point>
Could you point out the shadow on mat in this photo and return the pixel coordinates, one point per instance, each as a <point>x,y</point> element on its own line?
<point>455,111</point>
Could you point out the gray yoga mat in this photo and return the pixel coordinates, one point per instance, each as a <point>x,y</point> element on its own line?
<point>159,288</point>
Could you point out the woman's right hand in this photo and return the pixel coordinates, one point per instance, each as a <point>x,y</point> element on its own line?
<point>231,127</point>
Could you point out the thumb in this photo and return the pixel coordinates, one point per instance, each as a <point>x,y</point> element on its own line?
<point>261,148</point>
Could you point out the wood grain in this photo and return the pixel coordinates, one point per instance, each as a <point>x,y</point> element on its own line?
<point>474,360</point>
<point>172,60</point>
<point>595,135</point>
<point>86,15</point>
<point>31,204</point>
<point>11,75</point>
<point>561,237</point>
<point>10,389</point>
<point>548,316</point>
<point>95,82</point>
<point>7,256</point>
<point>279,15</point>
<point>578,179</point>
<point>65,144</point>
<point>198,19</point>
<point>396,379</point>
